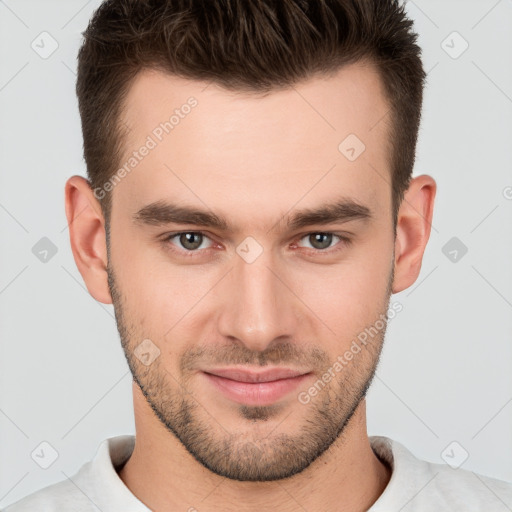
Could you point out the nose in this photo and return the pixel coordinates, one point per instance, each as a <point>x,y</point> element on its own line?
<point>259,306</point>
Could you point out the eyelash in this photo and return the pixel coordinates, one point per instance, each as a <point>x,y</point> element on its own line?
<point>344,241</point>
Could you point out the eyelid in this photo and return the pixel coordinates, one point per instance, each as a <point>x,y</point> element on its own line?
<point>307,235</point>
<point>344,240</point>
<point>170,236</point>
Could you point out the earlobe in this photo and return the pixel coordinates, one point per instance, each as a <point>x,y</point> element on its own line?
<point>413,230</point>
<point>87,237</point>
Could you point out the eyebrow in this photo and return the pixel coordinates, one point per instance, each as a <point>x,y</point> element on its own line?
<point>161,213</point>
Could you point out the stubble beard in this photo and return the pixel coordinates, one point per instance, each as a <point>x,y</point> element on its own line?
<point>244,455</point>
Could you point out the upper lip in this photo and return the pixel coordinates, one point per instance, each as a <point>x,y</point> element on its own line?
<point>256,375</point>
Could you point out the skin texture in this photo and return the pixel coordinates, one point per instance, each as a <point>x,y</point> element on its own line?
<point>254,160</point>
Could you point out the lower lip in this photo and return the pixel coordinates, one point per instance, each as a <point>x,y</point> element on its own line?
<point>256,393</point>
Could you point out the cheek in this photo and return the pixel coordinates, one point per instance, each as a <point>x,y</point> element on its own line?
<point>163,298</point>
<point>164,301</point>
<point>351,295</point>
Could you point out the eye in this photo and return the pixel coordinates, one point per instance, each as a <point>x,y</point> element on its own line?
<point>321,241</point>
<point>189,240</point>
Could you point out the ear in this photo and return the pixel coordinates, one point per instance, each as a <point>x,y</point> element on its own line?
<point>87,237</point>
<point>413,230</point>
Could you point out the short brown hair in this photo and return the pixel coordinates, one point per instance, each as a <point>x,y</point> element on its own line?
<point>245,45</point>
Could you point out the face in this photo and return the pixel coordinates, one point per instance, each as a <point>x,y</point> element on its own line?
<point>247,255</point>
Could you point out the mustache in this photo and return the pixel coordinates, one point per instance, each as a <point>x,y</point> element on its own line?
<point>237,354</point>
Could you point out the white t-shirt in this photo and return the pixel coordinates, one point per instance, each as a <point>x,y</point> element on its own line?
<point>415,485</point>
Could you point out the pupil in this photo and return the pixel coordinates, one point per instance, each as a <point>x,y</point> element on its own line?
<point>186,239</point>
<point>320,240</point>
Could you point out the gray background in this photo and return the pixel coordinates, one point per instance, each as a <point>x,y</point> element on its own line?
<point>446,366</point>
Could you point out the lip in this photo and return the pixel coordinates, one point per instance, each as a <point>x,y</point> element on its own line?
<point>255,387</point>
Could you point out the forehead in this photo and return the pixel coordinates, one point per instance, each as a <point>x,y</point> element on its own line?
<point>313,141</point>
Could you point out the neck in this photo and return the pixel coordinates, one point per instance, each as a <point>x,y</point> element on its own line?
<point>164,476</point>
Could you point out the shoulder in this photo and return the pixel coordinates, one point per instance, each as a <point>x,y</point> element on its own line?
<point>420,485</point>
<point>59,496</point>
<point>96,486</point>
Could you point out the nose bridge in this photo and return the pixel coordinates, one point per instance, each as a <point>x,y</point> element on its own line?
<point>259,307</point>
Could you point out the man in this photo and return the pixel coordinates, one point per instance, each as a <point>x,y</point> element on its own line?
<point>249,211</point>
